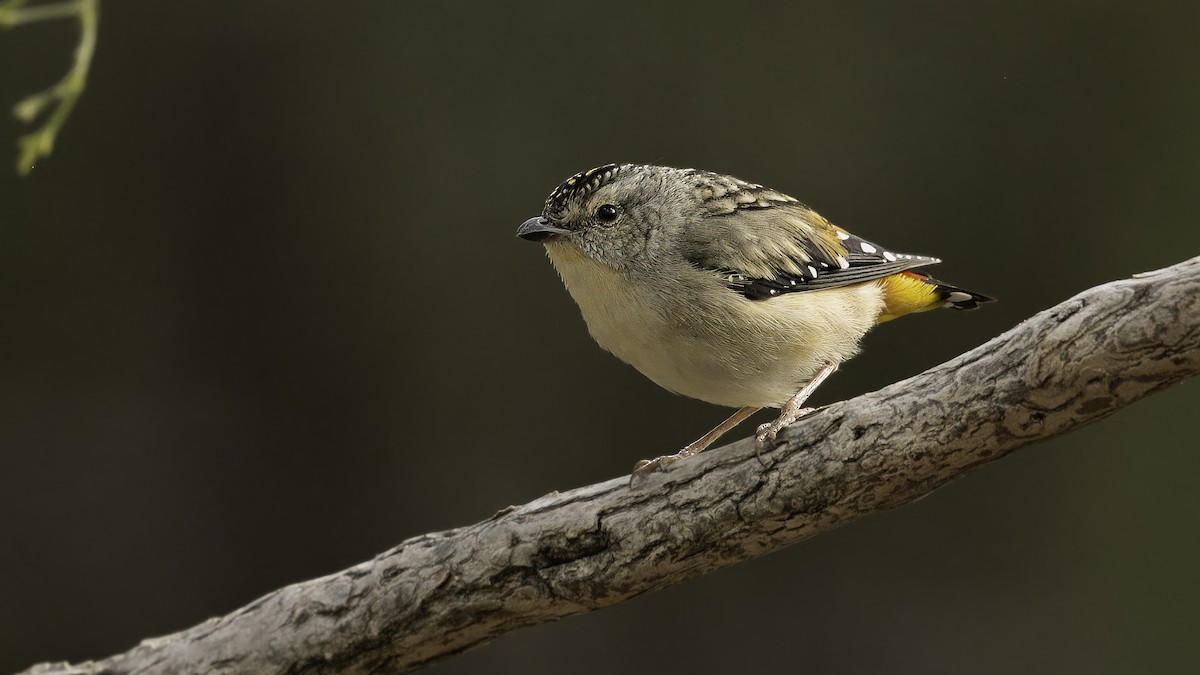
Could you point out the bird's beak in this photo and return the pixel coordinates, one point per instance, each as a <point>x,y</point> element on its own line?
<point>539,229</point>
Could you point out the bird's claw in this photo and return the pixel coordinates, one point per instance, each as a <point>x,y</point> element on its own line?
<point>764,435</point>
<point>646,467</point>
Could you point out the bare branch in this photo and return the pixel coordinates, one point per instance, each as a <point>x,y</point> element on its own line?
<point>442,593</point>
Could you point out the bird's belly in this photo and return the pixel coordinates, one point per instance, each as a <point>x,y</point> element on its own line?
<point>720,347</point>
<point>721,375</point>
<point>731,370</point>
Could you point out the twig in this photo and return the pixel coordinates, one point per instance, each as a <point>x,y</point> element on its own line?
<point>438,594</point>
<point>40,142</point>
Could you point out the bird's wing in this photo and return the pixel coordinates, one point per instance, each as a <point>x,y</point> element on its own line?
<point>765,244</point>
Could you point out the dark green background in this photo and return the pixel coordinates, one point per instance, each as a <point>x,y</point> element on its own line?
<point>264,316</point>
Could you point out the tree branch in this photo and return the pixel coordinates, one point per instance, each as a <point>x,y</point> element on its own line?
<point>563,554</point>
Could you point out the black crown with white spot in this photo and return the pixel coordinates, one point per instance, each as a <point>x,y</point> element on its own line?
<point>579,185</point>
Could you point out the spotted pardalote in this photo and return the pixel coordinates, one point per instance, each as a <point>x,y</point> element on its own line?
<point>724,290</point>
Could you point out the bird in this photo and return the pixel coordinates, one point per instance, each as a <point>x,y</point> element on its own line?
<point>723,290</point>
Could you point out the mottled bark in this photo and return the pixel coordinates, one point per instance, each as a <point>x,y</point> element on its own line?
<point>439,594</point>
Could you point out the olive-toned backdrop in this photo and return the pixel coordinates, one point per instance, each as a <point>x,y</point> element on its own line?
<point>264,315</point>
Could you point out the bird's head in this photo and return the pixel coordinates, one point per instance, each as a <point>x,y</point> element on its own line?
<point>619,215</point>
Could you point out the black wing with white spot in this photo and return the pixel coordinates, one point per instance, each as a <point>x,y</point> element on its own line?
<point>863,261</point>
<point>765,244</point>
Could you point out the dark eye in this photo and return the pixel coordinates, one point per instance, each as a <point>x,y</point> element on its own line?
<point>607,213</point>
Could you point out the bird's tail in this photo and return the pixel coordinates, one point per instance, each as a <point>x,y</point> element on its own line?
<point>909,292</point>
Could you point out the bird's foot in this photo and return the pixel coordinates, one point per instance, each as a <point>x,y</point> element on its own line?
<point>764,436</point>
<point>791,411</point>
<point>646,467</point>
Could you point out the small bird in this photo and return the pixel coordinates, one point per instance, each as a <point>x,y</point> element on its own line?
<point>724,290</point>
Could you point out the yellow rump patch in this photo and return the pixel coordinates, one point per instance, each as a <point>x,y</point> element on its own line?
<point>906,293</point>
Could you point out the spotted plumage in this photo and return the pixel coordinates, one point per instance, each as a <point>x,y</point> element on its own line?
<point>578,186</point>
<point>780,246</point>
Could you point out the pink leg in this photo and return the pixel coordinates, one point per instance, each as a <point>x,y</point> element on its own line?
<point>792,410</point>
<point>647,466</point>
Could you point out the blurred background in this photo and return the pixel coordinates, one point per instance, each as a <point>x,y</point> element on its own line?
<point>264,315</point>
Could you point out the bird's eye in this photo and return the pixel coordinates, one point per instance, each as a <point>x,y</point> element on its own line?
<point>607,213</point>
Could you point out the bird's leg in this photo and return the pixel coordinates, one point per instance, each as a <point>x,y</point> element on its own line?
<point>659,463</point>
<point>794,408</point>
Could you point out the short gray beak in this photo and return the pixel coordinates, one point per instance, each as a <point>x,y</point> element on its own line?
<point>539,229</point>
